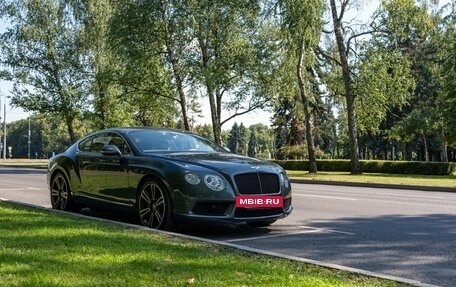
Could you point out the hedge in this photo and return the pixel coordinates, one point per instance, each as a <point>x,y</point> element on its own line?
<point>376,166</point>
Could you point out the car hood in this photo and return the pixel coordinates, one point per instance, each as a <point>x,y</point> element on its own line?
<point>224,162</point>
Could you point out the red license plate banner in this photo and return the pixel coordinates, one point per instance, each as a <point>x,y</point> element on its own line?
<point>259,201</point>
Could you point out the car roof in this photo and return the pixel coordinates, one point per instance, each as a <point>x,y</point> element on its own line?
<point>131,129</point>
<point>127,130</point>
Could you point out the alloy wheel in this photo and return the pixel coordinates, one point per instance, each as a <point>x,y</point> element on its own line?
<point>60,193</point>
<point>152,205</point>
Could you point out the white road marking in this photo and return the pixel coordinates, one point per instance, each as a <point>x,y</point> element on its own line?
<point>337,231</point>
<point>274,235</point>
<point>326,197</point>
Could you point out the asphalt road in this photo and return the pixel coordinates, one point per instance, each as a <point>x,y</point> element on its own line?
<point>405,233</point>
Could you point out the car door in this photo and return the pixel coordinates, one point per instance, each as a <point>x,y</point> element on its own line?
<point>105,177</point>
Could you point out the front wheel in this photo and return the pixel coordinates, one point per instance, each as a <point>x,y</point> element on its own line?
<point>154,206</point>
<point>60,193</point>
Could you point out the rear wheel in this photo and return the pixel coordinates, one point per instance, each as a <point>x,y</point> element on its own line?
<point>60,193</point>
<point>154,206</point>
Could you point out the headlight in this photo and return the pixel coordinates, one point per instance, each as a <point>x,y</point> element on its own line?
<point>192,178</point>
<point>214,182</point>
<point>284,179</point>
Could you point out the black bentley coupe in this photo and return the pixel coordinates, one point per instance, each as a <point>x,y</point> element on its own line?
<point>168,177</point>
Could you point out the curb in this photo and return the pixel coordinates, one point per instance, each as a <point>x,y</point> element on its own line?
<point>235,246</point>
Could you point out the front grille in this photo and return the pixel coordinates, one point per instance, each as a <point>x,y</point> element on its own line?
<point>257,183</point>
<point>242,212</point>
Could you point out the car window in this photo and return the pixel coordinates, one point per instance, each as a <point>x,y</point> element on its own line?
<point>118,141</point>
<point>99,141</point>
<point>85,144</point>
<point>154,141</point>
<point>96,142</point>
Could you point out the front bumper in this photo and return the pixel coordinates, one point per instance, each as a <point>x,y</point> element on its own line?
<point>226,212</point>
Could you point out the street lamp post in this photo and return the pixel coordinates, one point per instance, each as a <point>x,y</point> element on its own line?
<point>4,128</point>
<point>29,142</point>
<point>1,143</point>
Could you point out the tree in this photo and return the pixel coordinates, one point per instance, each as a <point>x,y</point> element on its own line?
<point>376,75</point>
<point>447,74</point>
<point>409,29</point>
<point>43,54</point>
<point>264,138</point>
<point>236,139</point>
<point>284,114</point>
<point>235,56</point>
<point>204,130</point>
<point>150,42</point>
<point>384,83</point>
<point>302,23</point>
<point>108,108</point>
<point>253,144</point>
<point>47,136</point>
<point>343,48</point>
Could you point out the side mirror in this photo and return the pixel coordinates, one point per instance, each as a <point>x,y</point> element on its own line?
<point>110,150</point>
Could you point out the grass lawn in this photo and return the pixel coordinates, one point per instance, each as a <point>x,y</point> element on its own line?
<point>39,163</point>
<point>404,179</point>
<point>40,248</point>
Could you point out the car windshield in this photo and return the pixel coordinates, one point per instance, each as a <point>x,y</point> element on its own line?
<point>155,141</point>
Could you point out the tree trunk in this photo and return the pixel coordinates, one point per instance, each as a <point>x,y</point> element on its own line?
<point>426,149</point>
<point>180,90</point>
<point>69,122</point>
<point>408,152</point>
<point>214,100</point>
<point>101,105</point>
<point>305,103</point>
<point>444,152</point>
<point>216,126</point>
<point>176,69</point>
<point>349,93</point>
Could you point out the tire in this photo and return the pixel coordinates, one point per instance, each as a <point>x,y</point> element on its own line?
<point>263,223</point>
<point>60,193</point>
<point>154,206</point>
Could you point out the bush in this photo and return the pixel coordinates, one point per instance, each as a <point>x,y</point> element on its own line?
<point>293,164</point>
<point>375,166</point>
<point>333,165</point>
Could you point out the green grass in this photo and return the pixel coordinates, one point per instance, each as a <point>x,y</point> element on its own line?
<point>34,163</point>
<point>402,179</point>
<point>40,248</point>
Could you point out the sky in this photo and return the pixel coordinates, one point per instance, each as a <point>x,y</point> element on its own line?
<point>361,14</point>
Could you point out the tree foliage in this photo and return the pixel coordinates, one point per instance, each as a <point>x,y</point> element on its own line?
<point>43,54</point>
<point>302,24</point>
<point>237,139</point>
